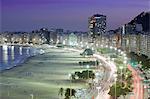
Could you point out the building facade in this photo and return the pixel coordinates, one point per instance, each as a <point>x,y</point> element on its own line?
<point>97,26</point>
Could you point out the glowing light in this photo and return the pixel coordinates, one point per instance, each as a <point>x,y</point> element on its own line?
<point>125,58</point>
<point>97,45</point>
<point>119,50</point>
<point>122,53</point>
<point>5,53</point>
<point>111,47</point>
<point>87,66</point>
<point>125,62</point>
<point>69,75</point>
<point>12,52</point>
<point>5,47</point>
<point>20,50</point>
<point>121,67</point>
<point>92,48</point>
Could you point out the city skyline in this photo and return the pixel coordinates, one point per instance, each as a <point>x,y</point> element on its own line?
<point>27,15</point>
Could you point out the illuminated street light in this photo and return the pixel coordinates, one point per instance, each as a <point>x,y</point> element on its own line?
<point>115,75</point>
<point>98,88</point>
<point>119,50</point>
<point>125,58</point>
<point>92,48</point>
<point>124,55</point>
<point>125,62</point>
<point>97,45</point>
<point>87,66</point>
<point>113,59</point>
<point>122,52</point>
<point>111,47</point>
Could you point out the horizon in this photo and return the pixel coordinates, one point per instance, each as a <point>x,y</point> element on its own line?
<point>26,15</point>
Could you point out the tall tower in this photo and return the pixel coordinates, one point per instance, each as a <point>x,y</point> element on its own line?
<point>46,34</point>
<point>97,26</point>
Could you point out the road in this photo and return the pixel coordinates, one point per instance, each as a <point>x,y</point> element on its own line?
<point>138,86</point>
<point>108,77</point>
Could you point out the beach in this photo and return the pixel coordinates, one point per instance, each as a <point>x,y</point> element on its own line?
<point>41,76</point>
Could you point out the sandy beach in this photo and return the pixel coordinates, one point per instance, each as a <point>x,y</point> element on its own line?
<point>41,76</point>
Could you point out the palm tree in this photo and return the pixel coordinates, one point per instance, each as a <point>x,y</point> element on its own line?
<point>69,93</point>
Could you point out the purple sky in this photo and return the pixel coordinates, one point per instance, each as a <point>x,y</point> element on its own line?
<point>27,15</point>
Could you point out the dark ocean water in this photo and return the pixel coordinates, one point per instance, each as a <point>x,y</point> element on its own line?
<point>11,56</point>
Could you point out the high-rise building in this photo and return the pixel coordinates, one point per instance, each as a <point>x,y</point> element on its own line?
<point>148,45</point>
<point>59,35</point>
<point>46,34</point>
<point>97,26</point>
<point>53,36</point>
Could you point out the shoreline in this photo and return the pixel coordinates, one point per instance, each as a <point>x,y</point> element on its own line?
<point>17,65</point>
<point>38,51</point>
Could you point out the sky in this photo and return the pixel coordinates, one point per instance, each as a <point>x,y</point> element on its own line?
<point>28,15</point>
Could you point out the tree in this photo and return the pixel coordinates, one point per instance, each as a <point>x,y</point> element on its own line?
<point>115,90</point>
<point>119,89</point>
<point>69,93</point>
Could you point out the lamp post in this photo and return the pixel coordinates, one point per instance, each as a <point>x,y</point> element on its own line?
<point>98,88</point>
<point>70,83</point>
<point>88,70</point>
<point>32,96</point>
<point>115,75</point>
<point>121,67</point>
<point>125,62</point>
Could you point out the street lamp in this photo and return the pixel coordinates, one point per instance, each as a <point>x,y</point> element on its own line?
<point>87,66</point>
<point>122,52</point>
<point>124,55</point>
<point>119,50</point>
<point>92,48</point>
<point>98,88</point>
<point>121,67</point>
<point>32,96</point>
<point>115,75</point>
<point>96,45</point>
<point>111,47</point>
<point>125,62</point>
<point>70,83</point>
<point>125,58</point>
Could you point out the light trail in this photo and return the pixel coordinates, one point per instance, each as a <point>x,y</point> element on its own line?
<point>110,66</point>
<point>138,87</point>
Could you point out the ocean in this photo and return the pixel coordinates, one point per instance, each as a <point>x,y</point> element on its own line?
<point>11,56</point>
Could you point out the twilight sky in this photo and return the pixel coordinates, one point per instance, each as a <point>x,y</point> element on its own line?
<point>27,15</point>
